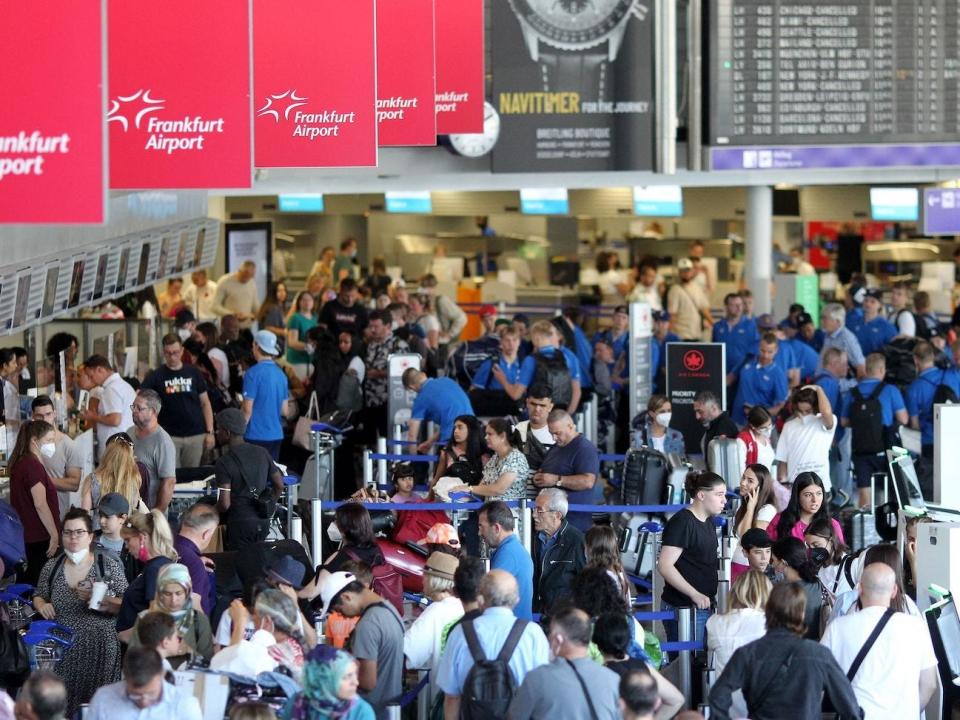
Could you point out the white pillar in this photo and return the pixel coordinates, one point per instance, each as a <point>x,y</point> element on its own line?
<point>758,264</point>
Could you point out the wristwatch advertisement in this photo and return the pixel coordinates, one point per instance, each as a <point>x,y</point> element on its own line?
<point>573,83</point>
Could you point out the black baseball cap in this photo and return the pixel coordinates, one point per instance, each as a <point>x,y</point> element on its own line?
<point>113,504</point>
<point>804,319</point>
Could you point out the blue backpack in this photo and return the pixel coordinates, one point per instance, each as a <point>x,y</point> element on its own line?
<point>12,550</point>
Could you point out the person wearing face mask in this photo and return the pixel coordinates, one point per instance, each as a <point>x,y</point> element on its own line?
<point>756,510</point>
<point>804,445</point>
<point>753,442</point>
<point>656,431</point>
<point>149,539</point>
<point>63,593</point>
<point>34,496</point>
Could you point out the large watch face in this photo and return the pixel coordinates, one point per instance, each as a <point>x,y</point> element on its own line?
<point>479,144</point>
<point>573,22</point>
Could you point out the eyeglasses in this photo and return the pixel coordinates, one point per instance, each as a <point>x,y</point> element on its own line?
<point>73,533</point>
<point>139,408</point>
<point>541,511</point>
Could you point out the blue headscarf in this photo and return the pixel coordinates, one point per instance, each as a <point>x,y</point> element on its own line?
<point>323,671</point>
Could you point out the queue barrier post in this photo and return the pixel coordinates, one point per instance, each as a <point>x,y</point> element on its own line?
<point>685,657</point>
<point>526,525</point>
<point>382,464</point>
<point>593,410</point>
<point>423,698</point>
<point>316,528</point>
<point>367,469</point>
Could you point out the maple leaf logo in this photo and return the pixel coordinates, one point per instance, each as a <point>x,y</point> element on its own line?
<point>136,106</point>
<point>283,103</point>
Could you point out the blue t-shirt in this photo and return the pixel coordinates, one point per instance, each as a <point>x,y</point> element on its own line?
<point>619,344</point>
<point>579,456</point>
<point>529,366</point>
<point>804,357</point>
<point>514,558</point>
<point>854,319</point>
<point>831,388</point>
<point>920,394</point>
<point>785,358</point>
<point>741,340</point>
<point>891,401</point>
<point>484,377</point>
<point>266,385</point>
<point>584,353</point>
<point>816,342</point>
<point>441,401</point>
<point>875,334</point>
<point>764,386</point>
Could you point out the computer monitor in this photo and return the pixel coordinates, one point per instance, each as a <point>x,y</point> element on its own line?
<point>564,272</point>
<point>944,624</point>
<point>895,204</point>
<point>905,481</point>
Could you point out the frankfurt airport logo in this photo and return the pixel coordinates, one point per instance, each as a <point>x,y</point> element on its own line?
<point>284,102</point>
<point>284,108</point>
<point>137,112</point>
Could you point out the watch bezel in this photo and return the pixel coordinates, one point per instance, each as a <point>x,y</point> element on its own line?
<point>563,39</point>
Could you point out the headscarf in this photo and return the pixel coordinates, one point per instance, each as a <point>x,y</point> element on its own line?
<point>322,673</point>
<point>175,574</point>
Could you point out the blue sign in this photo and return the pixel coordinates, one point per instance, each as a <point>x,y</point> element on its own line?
<point>806,157</point>
<point>658,200</point>
<point>895,204</point>
<point>544,201</point>
<point>409,202</point>
<point>302,202</point>
<point>941,211</point>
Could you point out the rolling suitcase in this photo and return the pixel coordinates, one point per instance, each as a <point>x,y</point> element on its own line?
<point>723,458</point>
<point>637,546</point>
<point>645,476</point>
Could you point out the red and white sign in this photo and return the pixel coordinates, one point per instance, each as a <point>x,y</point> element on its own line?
<point>315,80</point>
<point>406,113</point>
<point>460,80</point>
<point>52,158</point>
<point>179,113</point>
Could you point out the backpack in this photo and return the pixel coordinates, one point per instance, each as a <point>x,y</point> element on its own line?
<point>490,684</point>
<point>387,582</point>
<point>943,392</point>
<point>866,422</point>
<point>552,371</point>
<point>463,363</point>
<point>349,394</point>
<point>12,549</point>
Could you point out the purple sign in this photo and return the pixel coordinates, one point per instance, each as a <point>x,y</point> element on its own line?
<point>807,157</point>
<point>941,211</point>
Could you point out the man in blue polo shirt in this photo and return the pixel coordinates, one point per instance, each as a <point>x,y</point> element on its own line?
<point>265,393</point>
<point>872,437</point>
<point>833,379</point>
<point>876,330</point>
<point>617,335</point>
<point>920,401</point>
<point>439,400</point>
<point>761,383</point>
<point>545,343</point>
<point>785,358</point>
<point>503,371</point>
<point>496,525</point>
<point>658,349</point>
<point>738,333</point>
<point>572,464</point>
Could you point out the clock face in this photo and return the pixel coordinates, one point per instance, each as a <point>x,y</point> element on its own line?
<point>573,21</point>
<point>479,144</point>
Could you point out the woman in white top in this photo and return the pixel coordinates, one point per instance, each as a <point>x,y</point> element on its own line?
<point>421,315</point>
<point>744,623</point>
<point>849,601</point>
<point>756,510</point>
<point>422,642</point>
<point>753,442</point>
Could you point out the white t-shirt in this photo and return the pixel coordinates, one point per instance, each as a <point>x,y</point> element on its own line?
<point>658,442</point>
<point>219,359</point>
<point>356,364</point>
<point>117,397</point>
<point>906,324</point>
<point>805,447</point>
<point>887,683</point>
<point>764,514</point>
<point>421,641</point>
<point>765,456</point>
<point>650,295</point>
<point>225,629</point>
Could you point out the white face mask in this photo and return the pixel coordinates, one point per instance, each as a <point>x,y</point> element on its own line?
<point>77,557</point>
<point>48,450</point>
<point>663,418</point>
<point>184,334</point>
<point>766,431</point>
<point>333,532</point>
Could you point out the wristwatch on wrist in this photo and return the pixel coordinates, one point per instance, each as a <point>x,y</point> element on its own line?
<point>559,479</point>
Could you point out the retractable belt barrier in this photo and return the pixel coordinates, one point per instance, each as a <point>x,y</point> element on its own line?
<point>400,457</point>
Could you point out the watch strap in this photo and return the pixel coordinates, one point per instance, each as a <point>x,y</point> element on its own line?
<point>577,71</point>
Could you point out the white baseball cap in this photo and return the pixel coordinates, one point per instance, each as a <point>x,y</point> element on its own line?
<point>333,587</point>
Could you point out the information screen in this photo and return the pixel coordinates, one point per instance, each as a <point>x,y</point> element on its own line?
<point>784,72</point>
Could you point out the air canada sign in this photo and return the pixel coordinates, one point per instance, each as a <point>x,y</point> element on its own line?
<point>179,101</point>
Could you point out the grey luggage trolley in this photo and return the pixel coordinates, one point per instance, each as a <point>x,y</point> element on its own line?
<point>317,481</point>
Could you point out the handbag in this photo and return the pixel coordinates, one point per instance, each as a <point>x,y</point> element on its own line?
<point>302,432</point>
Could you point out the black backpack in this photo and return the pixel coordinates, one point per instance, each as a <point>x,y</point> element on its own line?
<point>490,684</point>
<point>943,393</point>
<point>551,370</point>
<point>866,422</point>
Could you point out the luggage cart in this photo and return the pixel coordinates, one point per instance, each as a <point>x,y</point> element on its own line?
<point>16,601</point>
<point>46,642</point>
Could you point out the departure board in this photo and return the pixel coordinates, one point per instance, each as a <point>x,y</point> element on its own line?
<point>789,72</point>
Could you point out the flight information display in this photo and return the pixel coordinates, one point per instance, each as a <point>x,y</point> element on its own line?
<point>789,73</point>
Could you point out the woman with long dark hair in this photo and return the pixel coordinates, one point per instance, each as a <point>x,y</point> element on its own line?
<point>791,558</point>
<point>465,455</point>
<point>273,312</point>
<point>821,536</point>
<point>602,551</point>
<point>756,510</point>
<point>849,601</point>
<point>807,503</point>
<point>357,544</point>
<point>505,474</point>
<point>34,496</point>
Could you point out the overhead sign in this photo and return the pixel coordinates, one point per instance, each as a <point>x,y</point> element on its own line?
<point>941,211</point>
<point>460,76</point>
<point>52,144</point>
<point>895,204</point>
<point>574,85</point>
<point>406,108</point>
<point>544,201</point>
<point>179,114</point>
<point>691,368</point>
<point>300,202</point>
<point>314,79</point>
<point>408,202</point>
<point>658,200</point>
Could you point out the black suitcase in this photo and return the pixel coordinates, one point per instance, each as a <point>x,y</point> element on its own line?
<point>645,476</point>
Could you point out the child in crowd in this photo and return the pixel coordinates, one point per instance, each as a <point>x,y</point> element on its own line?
<point>113,510</point>
<point>756,544</point>
<point>403,480</point>
<point>158,630</point>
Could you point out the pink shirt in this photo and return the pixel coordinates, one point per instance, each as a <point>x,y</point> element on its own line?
<point>800,528</point>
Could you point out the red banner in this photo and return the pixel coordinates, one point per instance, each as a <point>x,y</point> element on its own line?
<point>179,114</point>
<point>406,113</point>
<point>52,160</point>
<point>460,80</point>
<point>314,78</point>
